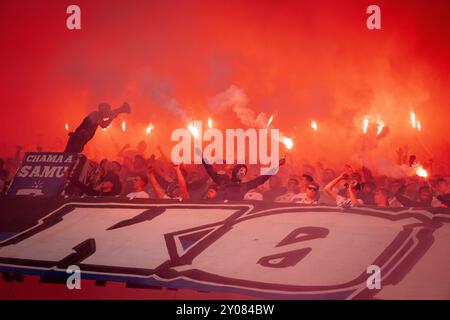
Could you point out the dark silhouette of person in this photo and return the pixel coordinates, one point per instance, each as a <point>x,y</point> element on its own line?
<point>86,130</point>
<point>232,187</point>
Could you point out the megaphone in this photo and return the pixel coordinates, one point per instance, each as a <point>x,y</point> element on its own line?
<point>125,108</point>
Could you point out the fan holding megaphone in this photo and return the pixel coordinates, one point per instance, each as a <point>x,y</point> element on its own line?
<point>86,130</point>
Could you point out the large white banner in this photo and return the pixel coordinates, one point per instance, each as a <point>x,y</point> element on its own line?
<point>261,250</point>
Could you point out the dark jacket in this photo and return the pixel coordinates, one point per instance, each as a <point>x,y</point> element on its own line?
<point>92,192</point>
<point>407,202</point>
<point>231,188</point>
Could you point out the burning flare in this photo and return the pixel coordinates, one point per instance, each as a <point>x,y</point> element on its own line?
<point>124,126</point>
<point>380,126</point>
<point>210,123</point>
<point>194,130</point>
<point>419,126</point>
<point>149,128</point>
<point>420,171</point>
<point>314,125</point>
<point>288,142</point>
<point>365,125</point>
<point>413,119</point>
<point>67,127</point>
<point>270,121</point>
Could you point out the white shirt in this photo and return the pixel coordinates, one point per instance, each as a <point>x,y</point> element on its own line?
<point>290,197</point>
<point>253,195</point>
<point>304,200</point>
<point>138,195</point>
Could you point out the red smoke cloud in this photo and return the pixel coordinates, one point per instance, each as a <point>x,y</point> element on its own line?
<point>299,60</point>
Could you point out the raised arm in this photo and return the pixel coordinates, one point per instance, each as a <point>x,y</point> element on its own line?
<point>329,187</point>
<point>252,184</point>
<point>209,169</point>
<point>181,181</point>
<point>212,173</point>
<point>155,185</point>
<point>163,155</point>
<point>261,179</point>
<point>125,108</point>
<point>161,180</point>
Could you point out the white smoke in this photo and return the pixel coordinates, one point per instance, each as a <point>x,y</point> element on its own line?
<point>161,93</point>
<point>175,108</point>
<point>235,99</point>
<point>383,166</point>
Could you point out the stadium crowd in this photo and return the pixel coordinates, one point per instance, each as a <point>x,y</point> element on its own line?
<point>133,175</point>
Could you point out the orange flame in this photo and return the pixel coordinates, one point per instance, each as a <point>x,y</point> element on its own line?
<point>314,125</point>
<point>413,119</point>
<point>194,130</point>
<point>380,126</point>
<point>288,142</point>
<point>365,125</point>
<point>420,171</point>
<point>270,121</point>
<point>149,128</point>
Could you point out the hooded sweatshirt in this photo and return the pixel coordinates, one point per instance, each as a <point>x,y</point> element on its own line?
<point>231,188</point>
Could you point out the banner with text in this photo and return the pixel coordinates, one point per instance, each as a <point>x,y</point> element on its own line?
<point>42,173</point>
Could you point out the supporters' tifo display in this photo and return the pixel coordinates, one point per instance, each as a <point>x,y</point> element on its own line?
<point>235,249</point>
<point>158,178</point>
